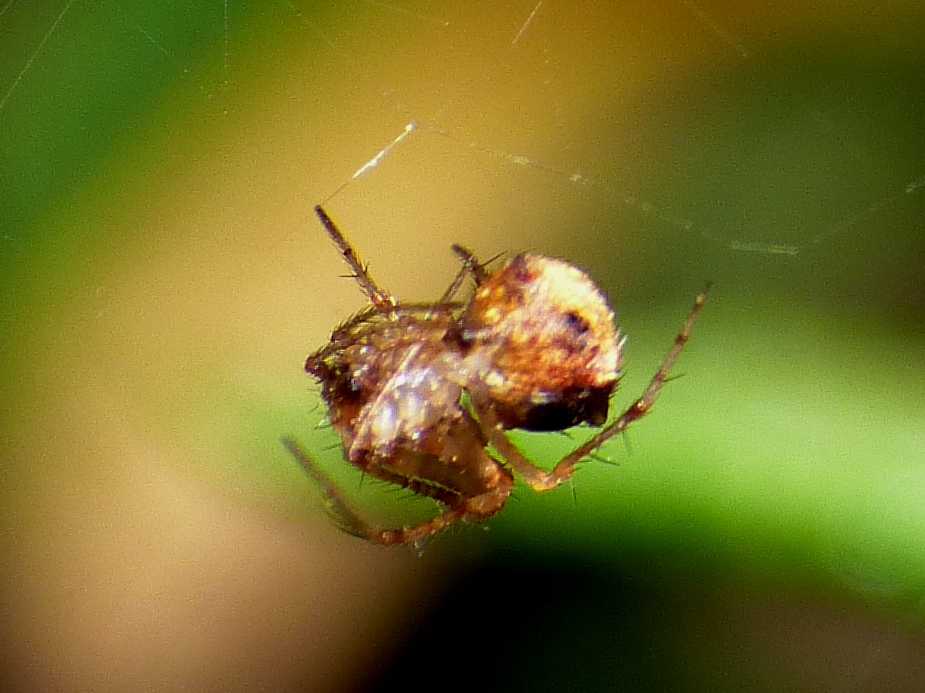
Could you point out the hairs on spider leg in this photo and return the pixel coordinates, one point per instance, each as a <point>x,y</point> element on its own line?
<point>481,265</point>
<point>627,443</point>
<point>406,494</point>
<point>376,483</point>
<point>413,497</point>
<point>420,545</point>
<point>341,522</point>
<point>597,457</point>
<point>493,258</point>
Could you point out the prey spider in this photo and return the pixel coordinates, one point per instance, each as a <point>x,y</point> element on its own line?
<point>418,391</point>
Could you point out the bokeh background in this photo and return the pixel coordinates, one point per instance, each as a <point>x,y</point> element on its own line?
<point>163,279</point>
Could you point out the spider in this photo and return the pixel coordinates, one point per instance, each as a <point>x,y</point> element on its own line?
<point>418,391</point>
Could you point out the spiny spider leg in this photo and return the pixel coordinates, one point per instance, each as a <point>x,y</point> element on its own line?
<point>470,265</point>
<point>402,308</point>
<point>349,521</point>
<point>342,514</point>
<point>541,480</point>
<point>343,331</point>
<point>455,284</point>
<point>380,298</point>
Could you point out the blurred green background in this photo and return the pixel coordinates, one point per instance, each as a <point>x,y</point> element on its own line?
<point>163,279</point>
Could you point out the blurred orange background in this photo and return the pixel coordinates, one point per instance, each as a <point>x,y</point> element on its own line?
<point>164,279</point>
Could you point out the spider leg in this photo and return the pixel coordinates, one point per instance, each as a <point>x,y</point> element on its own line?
<point>342,334</point>
<point>470,265</point>
<point>541,480</point>
<point>379,297</point>
<point>350,522</point>
<point>400,309</point>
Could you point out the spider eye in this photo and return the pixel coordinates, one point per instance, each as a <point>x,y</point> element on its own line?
<point>576,323</point>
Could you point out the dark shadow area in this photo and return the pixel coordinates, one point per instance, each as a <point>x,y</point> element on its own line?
<point>553,623</point>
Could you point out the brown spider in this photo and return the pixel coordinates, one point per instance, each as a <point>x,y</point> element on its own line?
<point>417,391</point>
